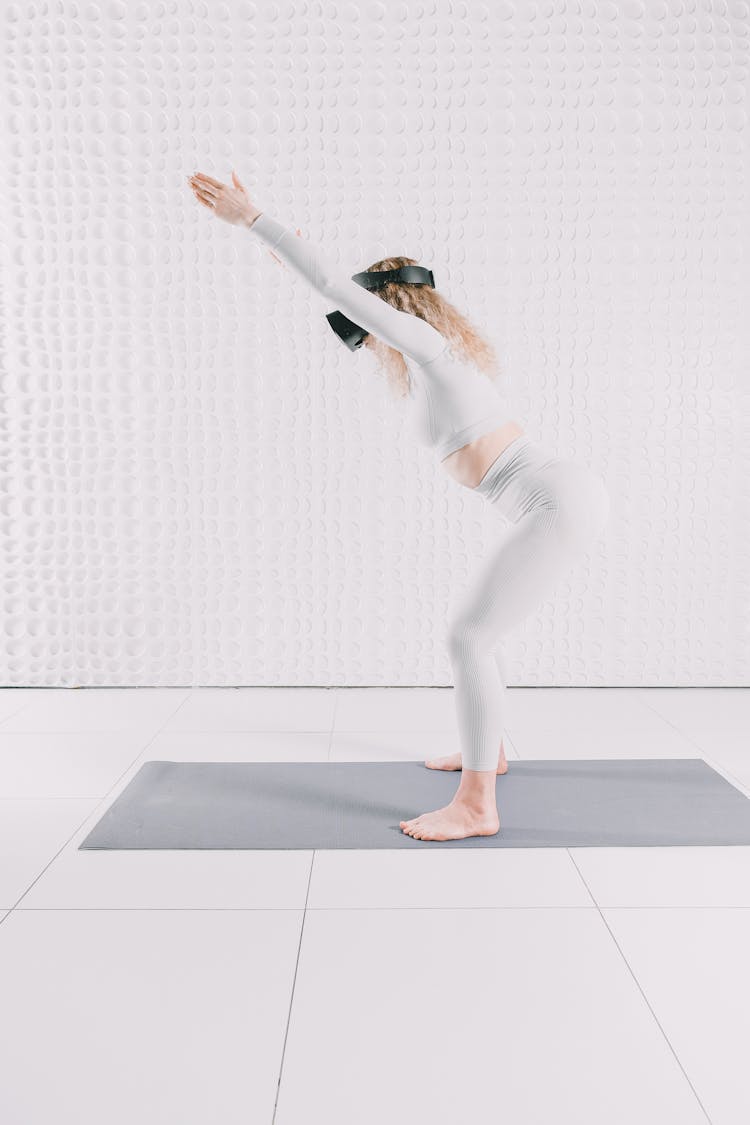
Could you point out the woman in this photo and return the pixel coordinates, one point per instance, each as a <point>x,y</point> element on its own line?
<point>557,508</point>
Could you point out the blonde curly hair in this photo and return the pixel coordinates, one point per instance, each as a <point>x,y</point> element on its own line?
<point>465,340</point>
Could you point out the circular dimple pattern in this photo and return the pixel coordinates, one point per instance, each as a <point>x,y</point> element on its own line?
<point>200,486</point>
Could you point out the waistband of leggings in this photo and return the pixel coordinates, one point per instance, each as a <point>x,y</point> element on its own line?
<point>502,460</point>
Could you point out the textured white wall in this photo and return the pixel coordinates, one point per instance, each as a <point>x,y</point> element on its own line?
<point>200,485</point>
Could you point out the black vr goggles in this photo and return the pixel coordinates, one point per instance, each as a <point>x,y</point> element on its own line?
<point>351,333</point>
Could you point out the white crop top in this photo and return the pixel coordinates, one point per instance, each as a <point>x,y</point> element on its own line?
<point>452,403</point>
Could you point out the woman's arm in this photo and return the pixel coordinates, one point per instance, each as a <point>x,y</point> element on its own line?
<point>409,334</point>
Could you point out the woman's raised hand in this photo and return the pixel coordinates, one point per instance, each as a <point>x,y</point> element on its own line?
<point>232,204</point>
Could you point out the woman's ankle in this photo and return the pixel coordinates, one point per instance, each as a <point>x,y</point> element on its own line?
<point>477,788</point>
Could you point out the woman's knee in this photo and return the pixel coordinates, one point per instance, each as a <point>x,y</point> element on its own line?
<point>467,637</point>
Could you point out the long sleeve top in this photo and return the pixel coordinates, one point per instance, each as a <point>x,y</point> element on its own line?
<point>451,402</point>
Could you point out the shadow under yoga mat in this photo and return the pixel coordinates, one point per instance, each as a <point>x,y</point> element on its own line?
<point>323,805</point>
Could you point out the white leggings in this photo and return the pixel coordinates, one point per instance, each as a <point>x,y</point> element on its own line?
<point>557,509</point>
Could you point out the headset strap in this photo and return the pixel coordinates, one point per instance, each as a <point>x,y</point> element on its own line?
<point>411,275</point>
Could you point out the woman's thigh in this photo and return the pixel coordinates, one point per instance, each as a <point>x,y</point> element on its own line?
<point>510,580</point>
<point>529,557</point>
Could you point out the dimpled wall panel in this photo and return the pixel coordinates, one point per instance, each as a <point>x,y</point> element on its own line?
<point>201,485</point>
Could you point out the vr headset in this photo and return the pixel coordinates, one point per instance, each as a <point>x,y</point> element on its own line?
<point>351,333</point>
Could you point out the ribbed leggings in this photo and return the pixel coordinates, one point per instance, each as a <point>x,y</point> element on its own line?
<point>557,509</point>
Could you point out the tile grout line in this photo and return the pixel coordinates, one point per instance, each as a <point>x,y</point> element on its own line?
<point>13,714</point>
<point>93,811</point>
<point>333,724</point>
<point>301,932</point>
<point>714,763</point>
<point>291,997</point>
<point>640,989</point>
<point>190,730</point>
<point>314,909</point>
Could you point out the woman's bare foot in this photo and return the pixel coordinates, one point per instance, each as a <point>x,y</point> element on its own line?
<point>454,822</point>
<point>453,762</point>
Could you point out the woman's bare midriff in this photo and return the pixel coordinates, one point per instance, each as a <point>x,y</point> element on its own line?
<point>468,464</point>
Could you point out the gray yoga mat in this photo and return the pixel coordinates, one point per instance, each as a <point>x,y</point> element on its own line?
<point>322,805</point>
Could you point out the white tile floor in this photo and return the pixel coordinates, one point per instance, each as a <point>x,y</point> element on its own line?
<point>575,985</point>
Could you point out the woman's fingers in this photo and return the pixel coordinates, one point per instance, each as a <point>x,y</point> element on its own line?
<point>205,188</point>
<point>201,195</point>
<point>208,180</point>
